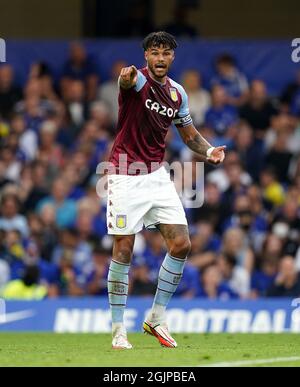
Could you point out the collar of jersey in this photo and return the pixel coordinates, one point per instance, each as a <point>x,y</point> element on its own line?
<point>158,83</point>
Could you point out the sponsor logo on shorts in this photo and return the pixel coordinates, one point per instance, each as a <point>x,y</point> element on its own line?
<point>121,221</point>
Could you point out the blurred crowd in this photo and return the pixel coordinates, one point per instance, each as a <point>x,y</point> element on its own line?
<point>53,241</point>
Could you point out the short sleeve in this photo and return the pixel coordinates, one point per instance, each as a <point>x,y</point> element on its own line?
<point>141,80</point>
<point>183,117</point>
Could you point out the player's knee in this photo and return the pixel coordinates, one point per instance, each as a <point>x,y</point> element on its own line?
<point>180,248</point>
<point>123,247</point>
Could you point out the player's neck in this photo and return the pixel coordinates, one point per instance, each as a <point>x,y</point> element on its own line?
<point>161,81</point>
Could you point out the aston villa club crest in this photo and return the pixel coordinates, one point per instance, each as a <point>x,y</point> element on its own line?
<point>121,221</point>
<point>173,93</point>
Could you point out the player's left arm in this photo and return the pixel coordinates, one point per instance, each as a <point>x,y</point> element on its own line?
<point>192,138</point>
<point>198,144</point>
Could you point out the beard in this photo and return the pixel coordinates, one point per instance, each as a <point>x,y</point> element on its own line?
<point>158,72</point>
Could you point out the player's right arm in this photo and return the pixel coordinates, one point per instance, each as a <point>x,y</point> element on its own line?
<point>128,77</point>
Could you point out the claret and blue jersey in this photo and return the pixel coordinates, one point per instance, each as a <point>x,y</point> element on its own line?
<point>146,112</point>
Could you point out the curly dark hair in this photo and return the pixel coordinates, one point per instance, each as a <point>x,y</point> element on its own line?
<point>160,38</point>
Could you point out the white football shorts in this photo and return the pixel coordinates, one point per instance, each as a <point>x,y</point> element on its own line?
<point>143,200</point>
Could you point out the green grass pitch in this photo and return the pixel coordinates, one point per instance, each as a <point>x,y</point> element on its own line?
<point>43,349</point>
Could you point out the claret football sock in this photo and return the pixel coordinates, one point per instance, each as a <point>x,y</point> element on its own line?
<point>117,291</point>
<point>169,277</point>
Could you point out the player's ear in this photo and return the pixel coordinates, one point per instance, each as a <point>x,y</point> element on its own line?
<point>146,55</point>
<point>172,56</point>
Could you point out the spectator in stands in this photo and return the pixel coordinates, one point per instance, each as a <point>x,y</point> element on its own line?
<point>65,208</point>
<point>102,117</point>
<point>295,104</point>
<point>250,150</point>
<point>267,264</point>
<point>154,253</point>
<point>258,206</point>
<point>76,252</point>
<point>109,90</point>
<point>236,185</point>
<point>49,151</point>
<point>259,110</point>
<point>44,232</point>
<point>11,163</point>
<point>10,218</point>
<point>68,130</point>
<point>12,248</point>
<point>263,277</point>
<point>180,26</point>
<point>221,176</point>
<point>97,279</point>
<point>84,225</point>
<point>199,98</point>
<point>4,273</point>
<point>236,277</point>
<point>214,210</point>
<point>235,245</point>
<point>286,225</point>
<point>27,288</point>
<point>48,219</point>
<point>33,185</point>
<point>41,74</point>
<point>212,285</point>
<point>80,162</point>
<point>272,190</point>
<point>74,98</point>
<point>141,282</point>
<point>272,247</point>
<point>48,271</point>
<point>70,276</point>
<point>80,67</point>
<point>27,138</point>
<point>200,255</point>
<point>221,117</point>
<point>287,282</point>
<point>287,124</point>
<point>295,176</point>
<point>9,93</point>
<point>73,179</point>
<point>32,108</point>
<point>91,206</point>
<point>96,139</point>
<point>4,180</point>
<point>74,258</point>
<point>234,82</point>
<point>289,95</point>
<point>254,225</point>
<point>279,157</point>
<point>189,284</point>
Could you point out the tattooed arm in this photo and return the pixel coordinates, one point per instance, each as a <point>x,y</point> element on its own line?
<point>197,143</point>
